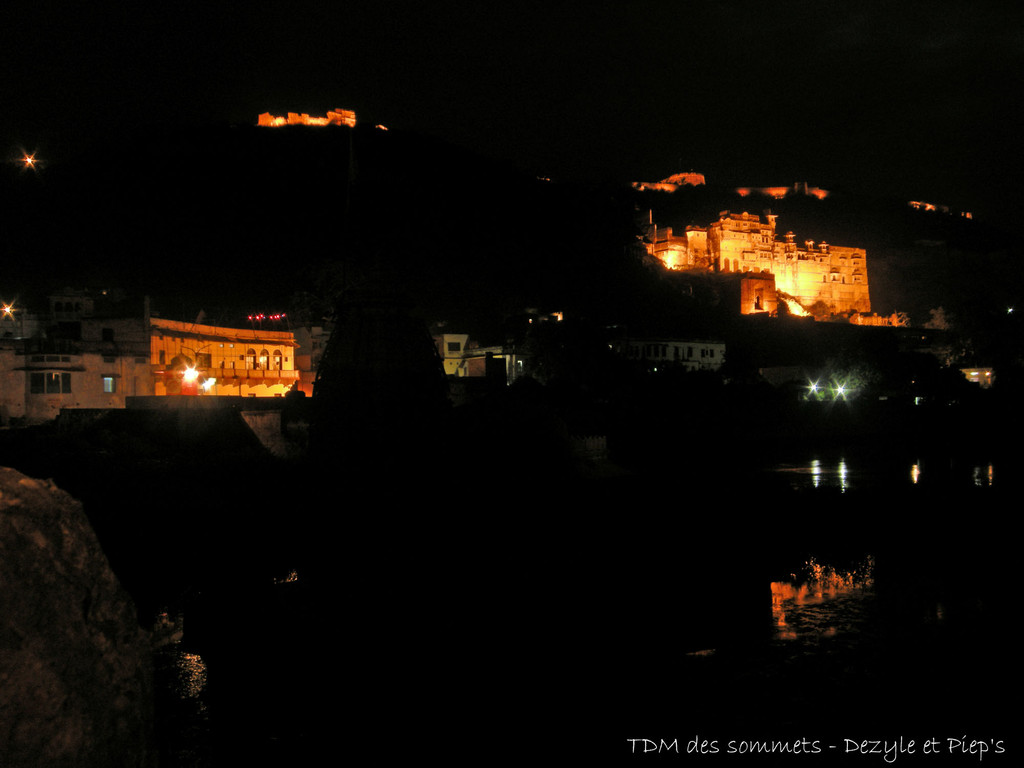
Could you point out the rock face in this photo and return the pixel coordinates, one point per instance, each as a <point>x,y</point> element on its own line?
<point>75,667</point>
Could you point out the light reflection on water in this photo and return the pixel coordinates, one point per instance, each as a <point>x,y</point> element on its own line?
<point>817,474</point>
<point>822,603</point>
<point>182,677</point>
<point>844,474</point>
<point>983,476</point>
<point>183,722</point>
<point>191,671</point>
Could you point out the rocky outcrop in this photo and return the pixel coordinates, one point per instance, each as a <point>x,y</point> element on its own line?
<point>75,667</point>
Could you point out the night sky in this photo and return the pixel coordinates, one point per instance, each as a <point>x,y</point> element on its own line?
<point>917,98</point>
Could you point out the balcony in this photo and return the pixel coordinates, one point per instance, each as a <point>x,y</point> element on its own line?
<point>253,376</point>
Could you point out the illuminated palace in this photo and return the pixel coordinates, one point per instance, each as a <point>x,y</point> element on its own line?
<point>816,278</point>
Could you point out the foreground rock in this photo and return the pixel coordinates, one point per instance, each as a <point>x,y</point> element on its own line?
<point>75,667</point>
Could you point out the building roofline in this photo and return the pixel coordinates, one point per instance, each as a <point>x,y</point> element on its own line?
<point>222,333</point>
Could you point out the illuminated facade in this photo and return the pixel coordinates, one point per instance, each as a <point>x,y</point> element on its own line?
<point>688,354</point>
<point>813,275</point>
<point>80,353</point>
<point>686,251</point>
<point>812,278</point>
<point>333,117</point>
<point>190,359</point>
<point>462,357</point>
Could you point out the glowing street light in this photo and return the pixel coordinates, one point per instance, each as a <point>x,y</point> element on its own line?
<point>189,377</point>
<point>6,310</point>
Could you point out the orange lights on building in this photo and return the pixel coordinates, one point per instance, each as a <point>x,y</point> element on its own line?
<point>197,359</point>
<point>821,278</point>
<point>334,117</point>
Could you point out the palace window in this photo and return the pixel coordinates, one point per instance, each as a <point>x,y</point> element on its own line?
<point>109,385</point>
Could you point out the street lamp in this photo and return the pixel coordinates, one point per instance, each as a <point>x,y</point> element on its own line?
<point>189,377</point>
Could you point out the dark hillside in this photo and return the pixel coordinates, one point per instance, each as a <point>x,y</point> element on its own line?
<point>237,219</point>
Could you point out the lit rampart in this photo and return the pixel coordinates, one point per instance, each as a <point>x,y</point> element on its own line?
<point>334,117</point>
<point>672,183</point>
<point>800,188</point>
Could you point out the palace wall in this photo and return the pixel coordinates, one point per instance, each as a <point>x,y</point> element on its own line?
<point>810,274</point>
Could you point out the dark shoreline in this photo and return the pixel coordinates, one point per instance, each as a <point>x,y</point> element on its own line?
<point>581,585</point>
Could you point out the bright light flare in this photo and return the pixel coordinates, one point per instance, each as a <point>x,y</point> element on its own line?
<point>190,374</point>
<point>794,307</point>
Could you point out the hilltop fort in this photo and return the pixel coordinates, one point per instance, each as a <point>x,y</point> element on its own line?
<point>334,117</point>
<point>812,278</point>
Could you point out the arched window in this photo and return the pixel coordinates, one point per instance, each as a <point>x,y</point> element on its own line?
<point>250,358</point>
<point>264,359</point>
<point>278,359</point>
